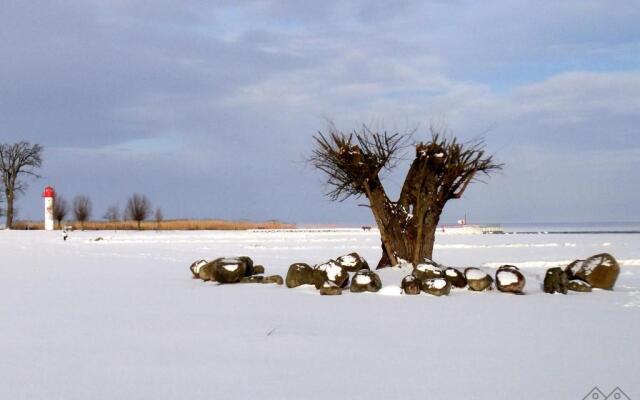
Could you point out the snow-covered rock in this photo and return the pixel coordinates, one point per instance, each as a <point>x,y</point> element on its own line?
<point>455,277</point>
<point>335,273</point>
<point>330,289</point>
<point>352,262</point>
<point>195,267</point>
<point>232,269</point>
<point>411,285</point>
<point>365,281</point>
<point>302,274</point>
<point>477,279</point>
<point>509,279</point>
<point>428,270</point>
<point>600,271</point>
<point>578,285</point>
<point>436,286</point>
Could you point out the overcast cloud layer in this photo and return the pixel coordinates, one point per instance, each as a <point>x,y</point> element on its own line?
<point>209,107</point>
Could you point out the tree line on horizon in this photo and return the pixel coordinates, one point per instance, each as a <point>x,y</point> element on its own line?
<point>138,208</point>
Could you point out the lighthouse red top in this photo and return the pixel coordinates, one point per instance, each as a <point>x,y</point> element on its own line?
<point>49,192</point>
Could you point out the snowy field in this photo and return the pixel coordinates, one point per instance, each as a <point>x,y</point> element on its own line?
<point>122,318</point>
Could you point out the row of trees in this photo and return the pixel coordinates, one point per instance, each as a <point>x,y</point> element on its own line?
<point>138,208</point>
<point>22,160</point>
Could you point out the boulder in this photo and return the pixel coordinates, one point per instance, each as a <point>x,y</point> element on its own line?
<point>232,269</point>
<point>600,271</point>
<point>555,281</point>
<point>248,262</point>
<point>207,271</point>
<point>302,274</point>
<point>258,269</point>
<point>252,279</point>
<point>352,262</point>
<point>509,279</point>
<point>335,273</point>
<point>411,285</point>
<point>478,280</point>
<point>277,279</point>
<point>428,270</point>
<point>436,286</point>
<point>578,285</point>
<point>195,268</point>
<point>456,278</point>
<point>365,281</point>
<point>330,289</point>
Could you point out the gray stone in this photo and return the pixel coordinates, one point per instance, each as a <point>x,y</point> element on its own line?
<point>365,281</point>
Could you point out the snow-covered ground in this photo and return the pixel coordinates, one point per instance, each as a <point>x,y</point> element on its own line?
<point>121,318</point>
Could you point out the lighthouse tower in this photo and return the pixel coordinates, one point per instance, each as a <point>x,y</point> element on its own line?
<point>49,195</point>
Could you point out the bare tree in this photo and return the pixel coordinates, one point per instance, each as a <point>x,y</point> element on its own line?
<point>16,160</point>
<point>60,209</point>
<point>82,208</point>
<point>138,208</point>
<point>441,170</point>
<point>159,217</point>
<point>112,214</point>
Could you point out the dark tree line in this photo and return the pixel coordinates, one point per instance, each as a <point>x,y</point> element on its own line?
<point>138,208</point>
<point>441,170</point>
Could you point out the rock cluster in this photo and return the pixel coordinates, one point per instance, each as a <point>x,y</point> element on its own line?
<point>600,271</point>
<point>232,270</point>
<point>331,277</point>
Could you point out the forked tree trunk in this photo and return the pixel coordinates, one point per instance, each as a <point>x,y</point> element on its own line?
<point>409,240</point>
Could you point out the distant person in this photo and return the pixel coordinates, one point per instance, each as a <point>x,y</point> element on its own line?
<point>65,234</point>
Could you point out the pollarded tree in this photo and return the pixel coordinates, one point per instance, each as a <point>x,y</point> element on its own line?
<point>441,170</point>
<point>60,209</point>
<point>17,160</point>
<point>82,208</point>
<point>138,208</point>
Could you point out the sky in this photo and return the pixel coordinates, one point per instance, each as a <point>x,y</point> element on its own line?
<point>209,107</point>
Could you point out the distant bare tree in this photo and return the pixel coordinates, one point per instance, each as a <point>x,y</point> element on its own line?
<point>16,160</point>
<point>82,208</point>
<point>112,214</point>
<point>60,209</point>
<point>138,208</point>
<point>159,217</point>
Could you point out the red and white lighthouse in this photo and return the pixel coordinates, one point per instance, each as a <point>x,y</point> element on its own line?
<point>49,195</point>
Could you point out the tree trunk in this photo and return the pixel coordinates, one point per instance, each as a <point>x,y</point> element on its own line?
<point>9,220</point>
<point>409,240</point>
